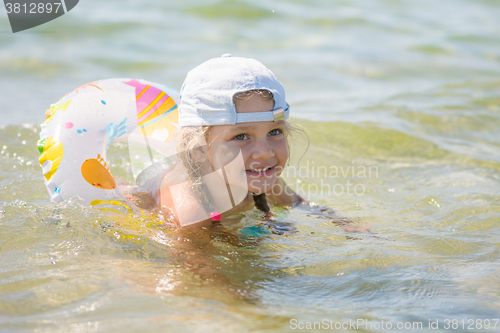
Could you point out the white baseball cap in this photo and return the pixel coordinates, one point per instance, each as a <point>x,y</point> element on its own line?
<point>206,96</point>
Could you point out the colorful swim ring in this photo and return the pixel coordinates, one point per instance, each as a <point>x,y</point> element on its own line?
<point>80,126</point>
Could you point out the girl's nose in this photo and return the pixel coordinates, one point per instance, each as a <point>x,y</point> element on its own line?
<point>262,150</point>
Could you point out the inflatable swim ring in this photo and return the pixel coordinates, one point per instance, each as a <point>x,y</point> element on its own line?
<point>81,125</point>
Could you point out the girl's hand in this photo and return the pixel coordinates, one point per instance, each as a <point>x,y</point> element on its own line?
<point>344,222</point>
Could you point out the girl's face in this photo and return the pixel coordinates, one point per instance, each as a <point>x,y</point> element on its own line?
<point>263,144</point>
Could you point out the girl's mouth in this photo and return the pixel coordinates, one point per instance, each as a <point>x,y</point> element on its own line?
<point>260,172</point>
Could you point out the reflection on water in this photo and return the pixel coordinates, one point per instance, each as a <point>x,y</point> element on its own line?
<point>434,218</point>
<point>408,90</point>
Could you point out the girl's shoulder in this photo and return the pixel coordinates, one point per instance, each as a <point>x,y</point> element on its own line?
<point>282,195</point>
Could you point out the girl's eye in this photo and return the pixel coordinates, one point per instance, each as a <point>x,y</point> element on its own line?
<point>274,132</point>
<point>242,136</point>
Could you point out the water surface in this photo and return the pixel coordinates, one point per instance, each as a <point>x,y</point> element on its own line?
<point>407,91</point>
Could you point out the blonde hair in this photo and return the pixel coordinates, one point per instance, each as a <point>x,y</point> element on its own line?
<point>245,95</point>
<point>193,153</point>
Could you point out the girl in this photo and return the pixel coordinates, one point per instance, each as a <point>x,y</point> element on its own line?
<point>233,139</point>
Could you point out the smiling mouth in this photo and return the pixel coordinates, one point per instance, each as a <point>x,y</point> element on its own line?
<point>260,171</point>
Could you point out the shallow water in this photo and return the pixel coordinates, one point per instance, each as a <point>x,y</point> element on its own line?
<point>404,94</point>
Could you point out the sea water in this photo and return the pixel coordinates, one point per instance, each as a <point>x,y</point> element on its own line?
<point>401,102</point>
